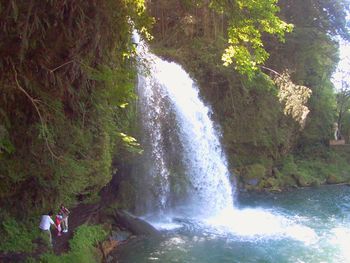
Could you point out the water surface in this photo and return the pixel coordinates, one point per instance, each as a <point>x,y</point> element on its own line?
<point>303,225</point>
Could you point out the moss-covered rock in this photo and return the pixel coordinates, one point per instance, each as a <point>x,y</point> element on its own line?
<point>252,177</point>
<point>254,172</point>
<point>273,184</point>
<point>284,180</point>
<point>335,179</point>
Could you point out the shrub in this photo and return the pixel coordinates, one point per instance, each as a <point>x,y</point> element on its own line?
<point>289,168</point>
<point>15,237</point>
<point>255,171</point>
<point>82,246</point>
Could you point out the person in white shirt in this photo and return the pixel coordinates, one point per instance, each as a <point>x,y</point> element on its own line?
<point>45,225</point>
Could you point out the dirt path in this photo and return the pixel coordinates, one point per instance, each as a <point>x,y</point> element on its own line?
<point>79,215</point>
<point>83,213</point>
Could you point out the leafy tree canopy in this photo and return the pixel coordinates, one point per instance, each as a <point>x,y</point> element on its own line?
<point>325,15</point>
<point>248,21</point>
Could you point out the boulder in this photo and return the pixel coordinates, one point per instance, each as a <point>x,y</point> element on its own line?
<point>134,224</point>
<point>334,179</point>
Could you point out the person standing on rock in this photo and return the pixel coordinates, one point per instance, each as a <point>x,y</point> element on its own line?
<point>45,225</point>
<point>64,212</point>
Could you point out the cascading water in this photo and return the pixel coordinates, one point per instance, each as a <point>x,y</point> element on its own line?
<point>187,185</point>
<point>179,131</point>
<point>164,88</point>
<point>153,106</point>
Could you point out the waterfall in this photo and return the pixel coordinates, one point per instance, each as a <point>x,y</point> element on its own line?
<point>186,166</point>
<point>184,183</point>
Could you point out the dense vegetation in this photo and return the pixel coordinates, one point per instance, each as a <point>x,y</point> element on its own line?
<point>64,78</point>
<point>67,76</point>
<point>263,142</point>
<point>81,246</point>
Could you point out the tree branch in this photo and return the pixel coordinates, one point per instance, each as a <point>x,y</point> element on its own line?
<point>34,102</point>
<point>60,66</point>
<point>271,70</point>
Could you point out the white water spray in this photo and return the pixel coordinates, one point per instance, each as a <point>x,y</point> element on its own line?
<point>171,107</point>
<point>167,87</point>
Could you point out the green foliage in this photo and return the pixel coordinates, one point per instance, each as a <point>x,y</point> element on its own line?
<point>130,143</point>
<point>253,122</point>
<point>317,166</point>
<point>248,111</point>
<point>315,61</point>
<point>343,105</point>
<point>289,167</point>
<point>15,237</point>
<point>327,167</point>
<point>5,143</point>
<point>255,171</point>
<point>30,260</point>
<point>345,126</point>
<point>120,79</point>
<point>248,21</point>
<point>241,26</point>
<point>81,246</point>
<point>87,236</point>
<point>312,55</point>
<point>326,15</point>
<point>64,90</point>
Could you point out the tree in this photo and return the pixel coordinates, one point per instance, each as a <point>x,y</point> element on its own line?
<point>248,21</point>
<point>311,55</point>
<point>343,103</point>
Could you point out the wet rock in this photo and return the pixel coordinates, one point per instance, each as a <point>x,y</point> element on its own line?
<point>134,224</point>
<point>253,181</point>
<point>120,236</point>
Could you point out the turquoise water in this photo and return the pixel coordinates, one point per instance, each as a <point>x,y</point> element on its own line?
<point>304,225</point>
